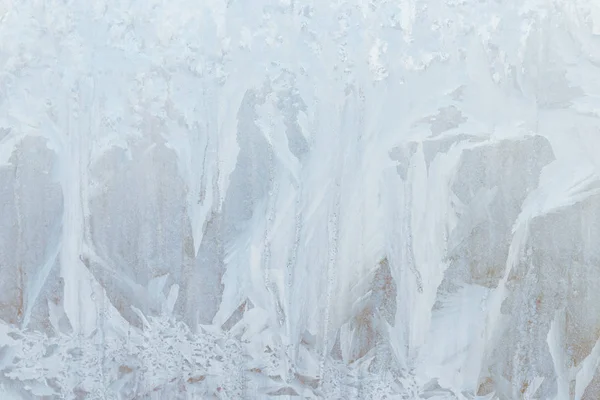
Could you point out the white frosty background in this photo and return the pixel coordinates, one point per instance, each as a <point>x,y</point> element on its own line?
<point>325,199</point>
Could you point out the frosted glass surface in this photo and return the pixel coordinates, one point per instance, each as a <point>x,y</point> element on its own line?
<point>278,199</point>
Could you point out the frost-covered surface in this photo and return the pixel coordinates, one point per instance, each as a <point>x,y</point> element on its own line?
<point>324,199</point>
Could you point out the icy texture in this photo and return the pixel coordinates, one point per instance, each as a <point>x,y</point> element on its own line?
<point>322,199</point>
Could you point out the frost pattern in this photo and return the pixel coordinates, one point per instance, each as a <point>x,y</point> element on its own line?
<point>299,198</point>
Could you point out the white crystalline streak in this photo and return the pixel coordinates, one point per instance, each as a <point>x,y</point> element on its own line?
<point>277,199</point>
